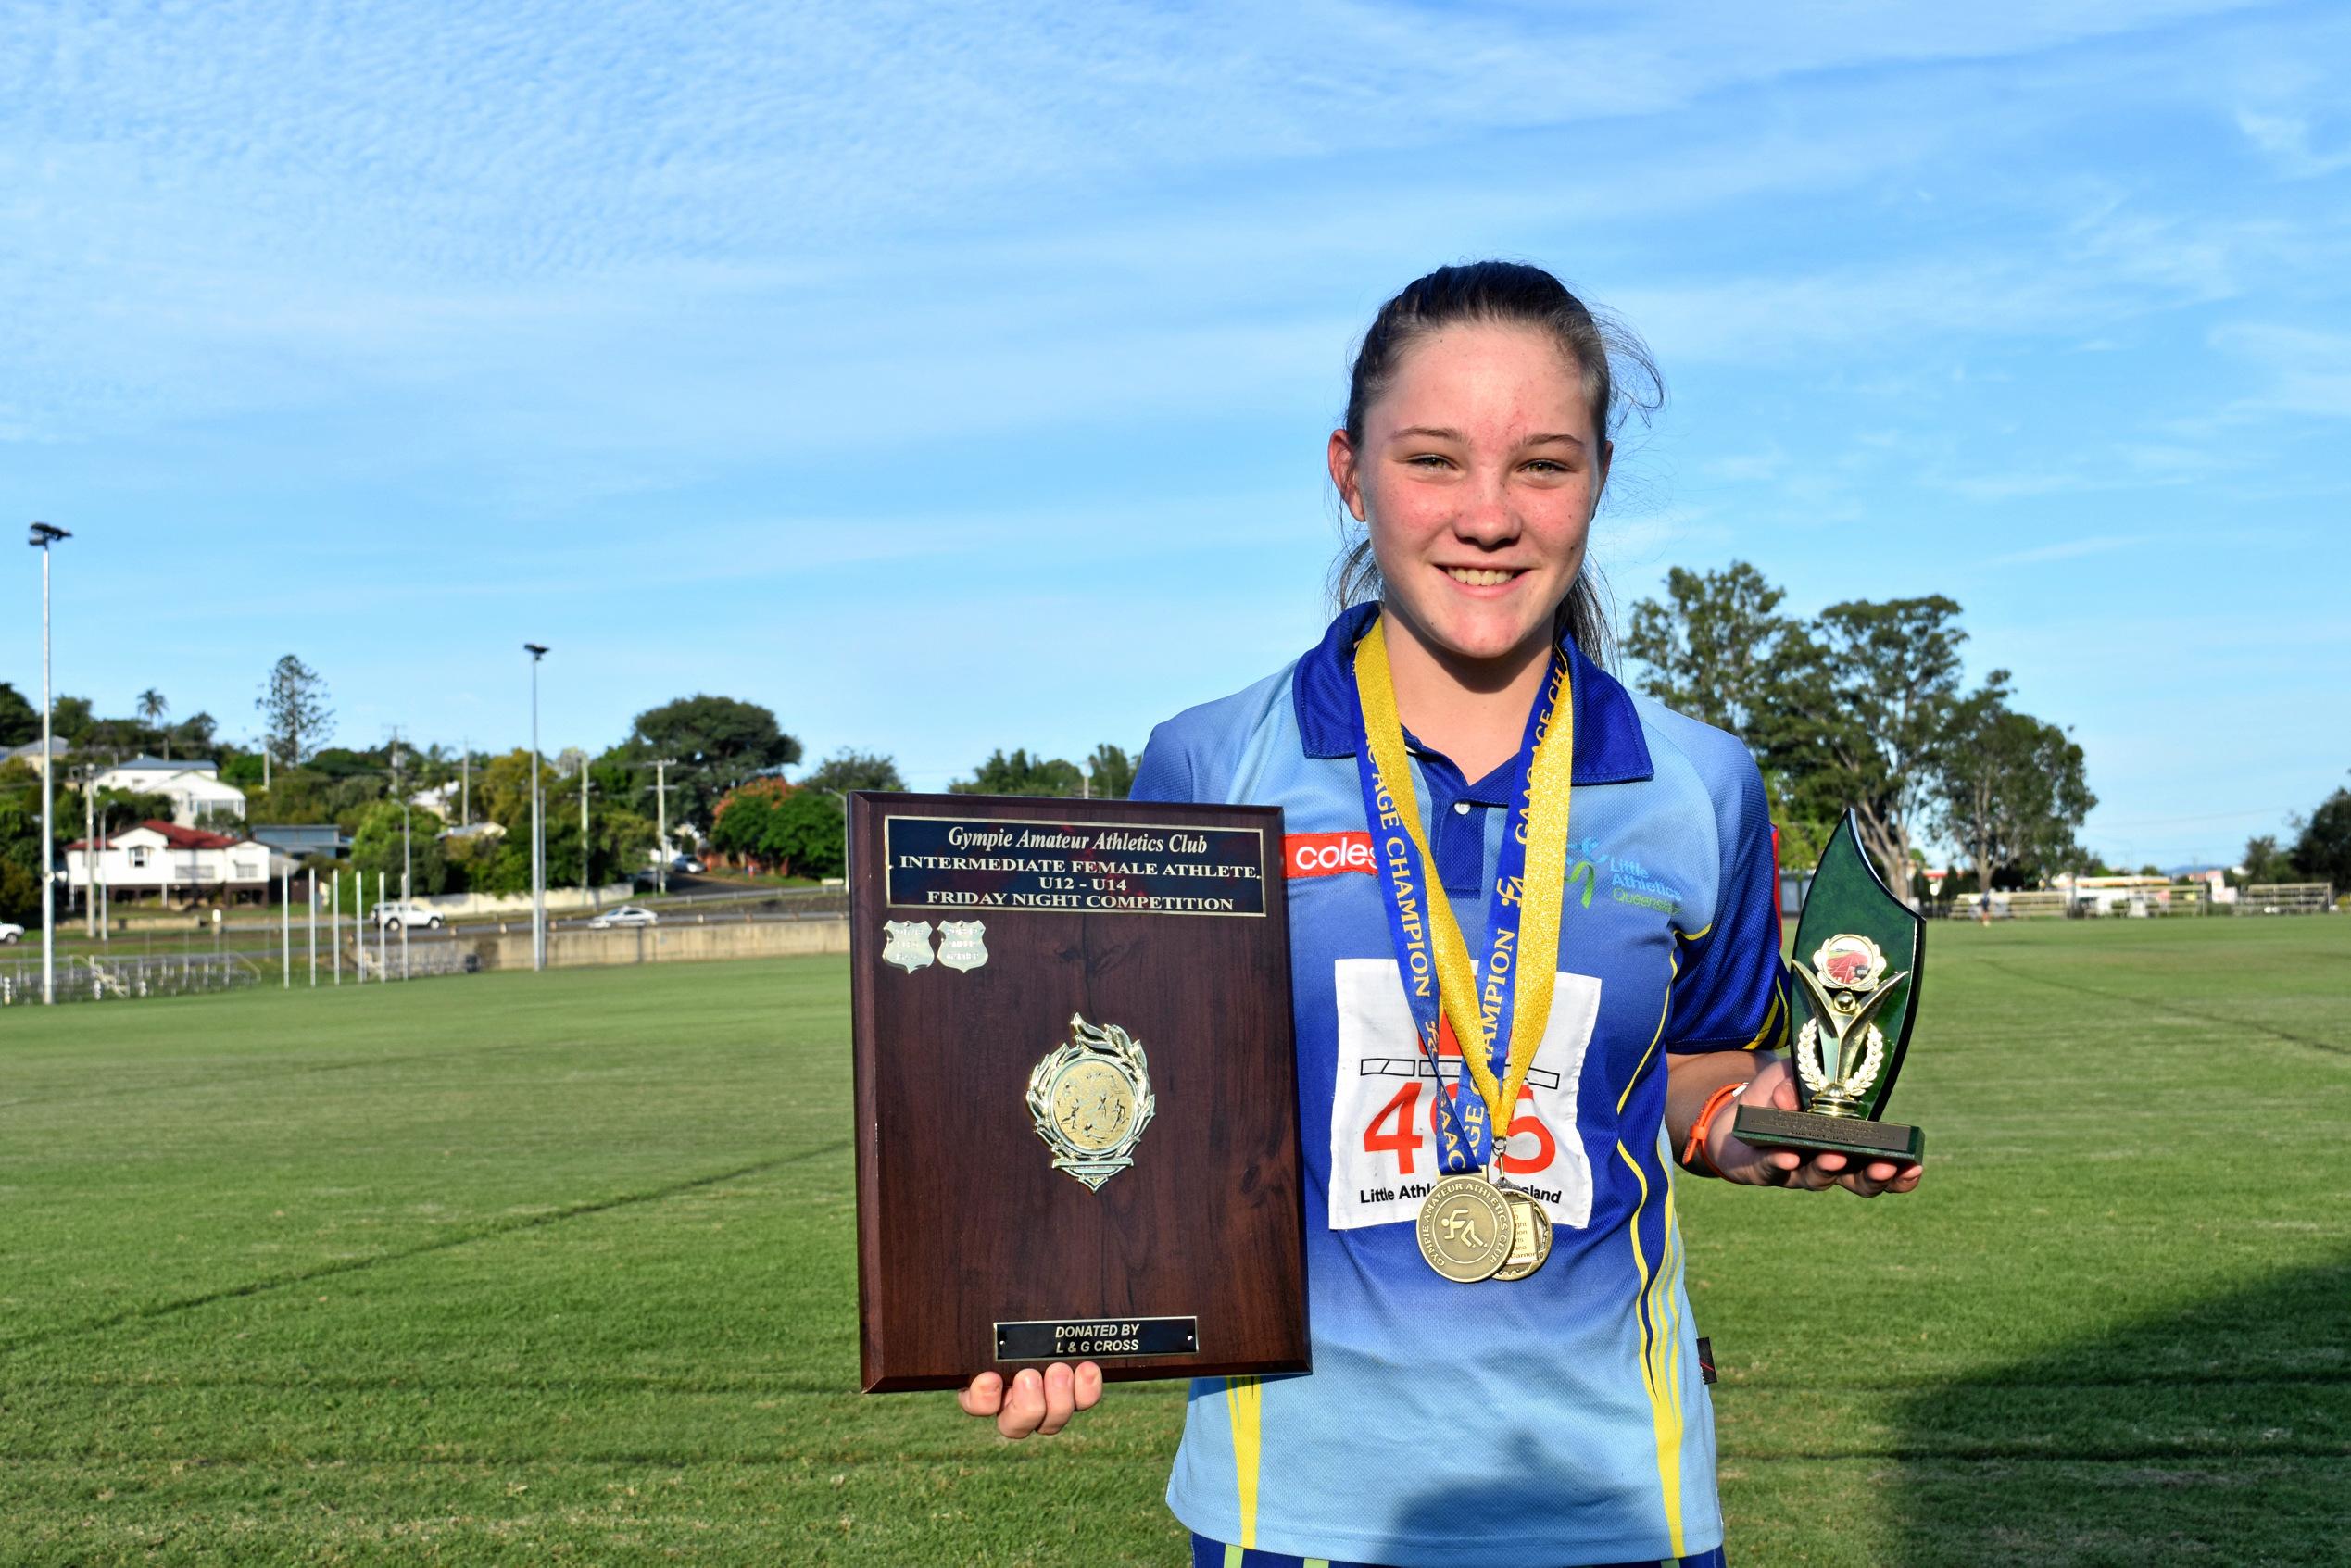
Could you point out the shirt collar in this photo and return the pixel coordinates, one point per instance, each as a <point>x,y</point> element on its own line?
<point>1609,745</point>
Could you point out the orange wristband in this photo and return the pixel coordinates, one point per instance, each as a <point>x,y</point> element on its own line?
<point>1693,1153</point>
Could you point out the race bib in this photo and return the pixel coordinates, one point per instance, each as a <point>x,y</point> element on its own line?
<point>1383,1136</point>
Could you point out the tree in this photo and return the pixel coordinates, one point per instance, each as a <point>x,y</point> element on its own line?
<point>152,708</point>
<point>2012,789</point>
<point>2265,862</point>
<point>1021,774</point>
<point>116,811</point>
<point>376,846</point>
<point>294,710</point>
<point>807,836</point>
<point>69,720</point>
<point>2322,852</point>
<point>1862,720</point>
<point>502,791</point>
<point>1716,649</point>
<point>194,733</point>
<point>19,895</point>
<point>19,721</point>
<point>846,771</point>
<point>716,743</point>
<point>1110,773</point>
<point>740,821</point>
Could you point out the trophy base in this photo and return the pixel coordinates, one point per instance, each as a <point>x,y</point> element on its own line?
<point>1836,1135</point>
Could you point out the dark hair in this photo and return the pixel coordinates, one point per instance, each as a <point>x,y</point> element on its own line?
<point>1620,378</point>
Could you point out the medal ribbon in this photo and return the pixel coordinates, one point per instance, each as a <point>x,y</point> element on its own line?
<point>1500,1032</point>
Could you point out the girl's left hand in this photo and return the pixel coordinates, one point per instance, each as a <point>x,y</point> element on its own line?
<point>1740,1160</point>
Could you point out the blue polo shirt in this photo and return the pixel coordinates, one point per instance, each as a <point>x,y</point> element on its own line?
<point>1560,1419</point>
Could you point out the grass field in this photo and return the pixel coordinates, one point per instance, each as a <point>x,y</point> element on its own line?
<point>560,1268</point>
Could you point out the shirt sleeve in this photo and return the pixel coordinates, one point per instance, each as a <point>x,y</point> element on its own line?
<point>1732,991</point>
<point>1164,771</point>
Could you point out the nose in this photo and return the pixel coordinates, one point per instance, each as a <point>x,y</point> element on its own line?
<point>1487,517</point>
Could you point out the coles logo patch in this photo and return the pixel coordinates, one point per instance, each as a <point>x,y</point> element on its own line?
<point>1326,854</point>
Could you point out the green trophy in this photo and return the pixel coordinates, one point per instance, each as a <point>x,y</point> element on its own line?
<point>1858,953</point>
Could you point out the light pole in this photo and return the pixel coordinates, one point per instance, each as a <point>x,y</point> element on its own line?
<point>538,834</point>
<point>44,535</point>
<point>584,892</point>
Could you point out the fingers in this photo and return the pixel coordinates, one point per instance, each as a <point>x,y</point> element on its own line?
<point>1061,1398</point>
<point>1024,1405</point>
<point>1033,1403</point>
<point>985,1397</point>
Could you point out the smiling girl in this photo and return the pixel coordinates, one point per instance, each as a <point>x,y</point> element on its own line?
<point>1522,1015</point>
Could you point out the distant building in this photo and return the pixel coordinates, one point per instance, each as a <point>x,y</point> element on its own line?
<point>167,859</point>
<point>441,799</point>
<point>475,830</point>
<point>299,841</point>
<point>198,795</point>
<point>29,752</point>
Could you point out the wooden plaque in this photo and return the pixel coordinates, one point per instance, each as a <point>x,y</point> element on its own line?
<point>1117,972</point>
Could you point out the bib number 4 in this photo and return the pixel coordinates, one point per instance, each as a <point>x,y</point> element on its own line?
<point>1384,1104</point>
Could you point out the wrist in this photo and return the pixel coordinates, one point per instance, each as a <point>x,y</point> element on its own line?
<point>1698,1152</point>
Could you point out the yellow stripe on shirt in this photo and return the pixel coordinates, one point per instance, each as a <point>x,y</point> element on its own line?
<point>1660,1369</point>
<point>1245,1403</point>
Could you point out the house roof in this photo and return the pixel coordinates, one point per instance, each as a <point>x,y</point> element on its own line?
<point>174,836</point>
<point>181,765</point>
<point>58,747</point>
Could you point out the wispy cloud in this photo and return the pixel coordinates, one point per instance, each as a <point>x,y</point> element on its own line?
<point>2074,550</point>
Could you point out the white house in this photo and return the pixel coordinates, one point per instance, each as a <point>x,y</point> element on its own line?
<point>198,795</point>
<point>164,857</point>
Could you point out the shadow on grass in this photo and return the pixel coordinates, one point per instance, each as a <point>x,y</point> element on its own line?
<point>2219,1432</point>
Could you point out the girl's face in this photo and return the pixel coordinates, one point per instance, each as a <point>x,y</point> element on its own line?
<point>1477,476</point>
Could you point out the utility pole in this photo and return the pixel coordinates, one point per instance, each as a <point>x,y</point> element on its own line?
<point>465,785</point>
<point>89,856</point>
<point>44,535</point>
<point>538,829</point>
<point>585,879</point>
<point>661,819</point>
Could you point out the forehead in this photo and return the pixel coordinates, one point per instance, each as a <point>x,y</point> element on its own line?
<point>1487,377</point>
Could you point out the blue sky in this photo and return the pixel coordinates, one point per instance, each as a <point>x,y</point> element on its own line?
<point>954,377</point>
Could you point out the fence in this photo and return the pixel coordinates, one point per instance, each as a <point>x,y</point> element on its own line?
<point>85,979</point>
<point>2286,899</point>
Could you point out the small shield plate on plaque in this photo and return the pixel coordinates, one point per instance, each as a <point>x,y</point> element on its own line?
<point>960,944</point>
<point>908,945</point>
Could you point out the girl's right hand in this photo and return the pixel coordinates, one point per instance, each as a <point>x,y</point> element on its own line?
<point>1036,1403</point>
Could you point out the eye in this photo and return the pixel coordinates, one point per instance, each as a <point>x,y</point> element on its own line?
<point>1428,460</point>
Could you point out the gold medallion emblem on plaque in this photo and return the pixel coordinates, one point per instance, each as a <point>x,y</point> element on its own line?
<point>1529,1237</point>
<point>1467,1228</point>
<point>1091,1099</point>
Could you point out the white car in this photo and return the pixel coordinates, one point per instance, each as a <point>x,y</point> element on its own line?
<point>10,934</point>
<point>395,915</point>
<point>627,914</point>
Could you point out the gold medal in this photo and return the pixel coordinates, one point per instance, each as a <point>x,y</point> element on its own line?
<point>1466,1228</point>
<point>1529,1237</point>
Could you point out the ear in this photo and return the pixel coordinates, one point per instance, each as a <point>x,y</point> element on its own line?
<point>1607,457</point>
<point>1341,457</point>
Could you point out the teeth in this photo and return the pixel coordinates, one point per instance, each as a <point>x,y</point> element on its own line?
<point>1480,577</point>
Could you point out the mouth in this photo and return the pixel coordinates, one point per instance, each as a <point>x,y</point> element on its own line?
<point>1484,576</point>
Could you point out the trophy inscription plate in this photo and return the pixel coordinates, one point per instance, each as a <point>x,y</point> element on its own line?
<point>1076,1101</point>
